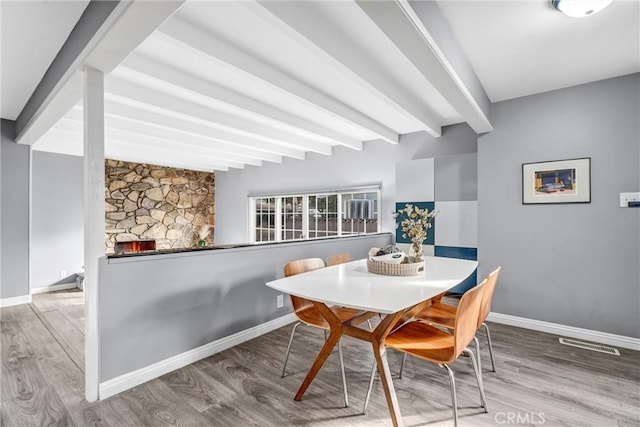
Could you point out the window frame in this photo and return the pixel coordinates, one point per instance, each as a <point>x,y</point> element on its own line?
<point>305,235</point>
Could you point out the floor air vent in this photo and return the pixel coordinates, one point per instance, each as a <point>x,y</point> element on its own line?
<point>590,346</point>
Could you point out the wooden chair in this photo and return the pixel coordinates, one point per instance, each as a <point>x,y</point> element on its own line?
<point>307,314</point>
<point>442,314</point>
<point>338,259</point>
<point>435,345</point>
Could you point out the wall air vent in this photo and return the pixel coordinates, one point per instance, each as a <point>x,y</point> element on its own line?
<point>590,346</point>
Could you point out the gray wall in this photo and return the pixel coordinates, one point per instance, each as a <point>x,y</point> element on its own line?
<point>375,164</point>
<point>57,233</point>
<point>159,306</point>
<point>572,264</point>
<point>14,227</point>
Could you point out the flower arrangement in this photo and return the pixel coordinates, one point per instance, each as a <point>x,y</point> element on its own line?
<point>203,233</point>
<point>415,223</point>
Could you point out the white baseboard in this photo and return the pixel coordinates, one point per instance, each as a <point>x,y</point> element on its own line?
<point>8,302</point>
<point>53,288</point>
<point>124,382</point>
<point>567,331</point>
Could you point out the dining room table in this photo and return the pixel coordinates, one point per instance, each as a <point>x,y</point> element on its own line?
<point>398,298</point>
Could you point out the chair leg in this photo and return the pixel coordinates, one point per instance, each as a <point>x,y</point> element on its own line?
<point>369,325</point>
<point>483,401</point>
<point>366,399</point>
<point>454,401</point>
<point>486,328</point>
<point>404,359</point>
<point>478,361</point>
<point>344,378</point>
<point>286,358</point>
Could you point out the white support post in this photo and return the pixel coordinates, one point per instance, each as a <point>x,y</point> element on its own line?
<point>339,216</point>
<point>305,216</point>
<point>94,224</point>
<point>278,220</point>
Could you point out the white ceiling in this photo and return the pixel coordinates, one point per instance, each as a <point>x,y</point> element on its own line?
<point>519,48</point>
<point>228,84</point>
<point>31,34</point>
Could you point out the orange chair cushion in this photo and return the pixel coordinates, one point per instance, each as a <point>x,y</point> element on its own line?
<point>439,314</point>
<point>424,341</point>
<point>311,316</point>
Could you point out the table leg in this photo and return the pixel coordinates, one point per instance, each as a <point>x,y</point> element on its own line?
<point>334,337</point>
<point>387,385</point>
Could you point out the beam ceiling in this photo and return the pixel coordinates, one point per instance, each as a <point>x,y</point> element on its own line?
<point>224,85</point>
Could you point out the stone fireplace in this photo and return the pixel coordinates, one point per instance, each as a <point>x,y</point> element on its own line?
<point>173,207</point>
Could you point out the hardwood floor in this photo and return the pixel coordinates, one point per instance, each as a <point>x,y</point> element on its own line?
<point>538,382</point>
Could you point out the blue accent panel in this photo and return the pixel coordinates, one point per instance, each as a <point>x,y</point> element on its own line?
<point>430,240</point>
<point>457,252</point>
<point>462,253</point>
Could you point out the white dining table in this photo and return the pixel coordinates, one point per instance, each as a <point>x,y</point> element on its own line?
<point>352,285</point>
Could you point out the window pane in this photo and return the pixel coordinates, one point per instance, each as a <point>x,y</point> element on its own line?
<point>292,218</point>
<point>323,209</point>
<point>265,219</point>
<point>372,226</point>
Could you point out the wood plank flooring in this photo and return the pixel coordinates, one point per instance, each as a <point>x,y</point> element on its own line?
<point>538,382</point>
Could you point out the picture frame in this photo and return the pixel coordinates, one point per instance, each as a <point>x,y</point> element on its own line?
<point>557,181</point>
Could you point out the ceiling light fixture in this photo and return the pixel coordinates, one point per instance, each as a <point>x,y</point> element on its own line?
<point>580,8</point>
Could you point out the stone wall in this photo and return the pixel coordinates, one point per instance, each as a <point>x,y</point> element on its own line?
<point>148,202</point>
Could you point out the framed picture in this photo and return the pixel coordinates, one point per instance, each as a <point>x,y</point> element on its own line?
<point>558,181</point>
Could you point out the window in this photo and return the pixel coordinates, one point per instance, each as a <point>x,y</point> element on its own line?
<point>265,219</point>
<point>291,212</point>
<point>314,216</point>
<point>358,225</point>
<point>323,215</point>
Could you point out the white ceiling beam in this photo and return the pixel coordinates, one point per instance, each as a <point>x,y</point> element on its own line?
<point>158,129</point>
<point>146,145</point>
<point>132,152</point>
<point>216,48</point>
<point>176,77</point>
<point>126,26</point>
<point>54,142</point>
<point>57,107</point>
<point>300,22</point>
<point>404,28</point>
<point>186,141</point>
<point>129,131</point>
<point>238,144</point>
<point>222,120</point>
<point>122,151</point>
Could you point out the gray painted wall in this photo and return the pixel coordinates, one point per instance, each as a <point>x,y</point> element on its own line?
<point>572,264</point>
<point>456,177</point>
<point>156,307</point>
<point>57,237</point>
<point>375,164</point>
<point>14,226</point>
